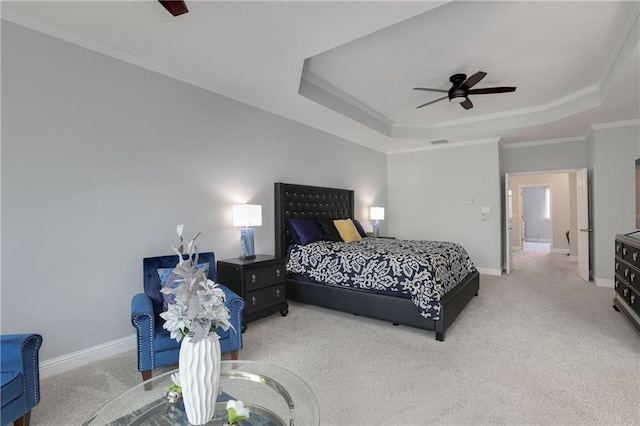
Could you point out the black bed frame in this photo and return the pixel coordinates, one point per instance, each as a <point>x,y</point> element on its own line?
<point>312,202</point>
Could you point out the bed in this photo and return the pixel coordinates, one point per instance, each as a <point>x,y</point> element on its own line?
<point>294,201</point>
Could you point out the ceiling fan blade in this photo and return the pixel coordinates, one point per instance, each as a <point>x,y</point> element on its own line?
<point>474,79</point>
<point>432,102</point>
<point>467,104</point>
<point>425,89</point>
<point>488,90</point>
<point>175,7</point>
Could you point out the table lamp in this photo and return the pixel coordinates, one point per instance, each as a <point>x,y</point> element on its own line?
<point>376,214</point>
<point>246,216</point>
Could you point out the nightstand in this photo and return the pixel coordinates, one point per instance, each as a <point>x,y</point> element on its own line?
<point>260,282</point>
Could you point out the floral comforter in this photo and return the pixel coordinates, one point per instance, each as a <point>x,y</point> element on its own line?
<point>422,270</point>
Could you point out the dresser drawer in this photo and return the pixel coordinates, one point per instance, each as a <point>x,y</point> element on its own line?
<point>623,290</point>
<point>629,274</point>
<point>263,276</point>
<point>634,301</point>
<point>264,298</point>
<point>630,254</point>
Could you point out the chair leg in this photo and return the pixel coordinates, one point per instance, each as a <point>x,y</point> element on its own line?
<point>146,375</point>
<point>234,355</point>
<point>24,420</point>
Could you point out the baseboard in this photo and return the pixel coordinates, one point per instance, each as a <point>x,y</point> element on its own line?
<point>603,282</point>
<point>489,271</point>
<point>537,240</point>
<point>560,251</point>
<point>86,356</point>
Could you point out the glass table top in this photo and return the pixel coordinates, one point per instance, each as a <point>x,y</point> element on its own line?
<point>274,396</point>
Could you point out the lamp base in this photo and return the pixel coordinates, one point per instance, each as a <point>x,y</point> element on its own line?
<point>376,228</point>
<point>247,248</point>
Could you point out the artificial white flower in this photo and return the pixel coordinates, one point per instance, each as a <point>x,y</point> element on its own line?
<point>236,411</point>
<point>175,377</point>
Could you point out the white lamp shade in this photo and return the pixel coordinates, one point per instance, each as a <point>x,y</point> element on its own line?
<point>247,215</point>
<point>376,213</point>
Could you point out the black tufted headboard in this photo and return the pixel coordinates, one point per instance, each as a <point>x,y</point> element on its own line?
<point>307,202</point>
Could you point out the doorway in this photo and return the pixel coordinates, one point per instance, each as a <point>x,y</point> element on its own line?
<point>542,227</point>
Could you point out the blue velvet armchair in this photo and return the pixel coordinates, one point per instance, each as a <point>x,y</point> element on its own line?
<point>156,348</point>
<point>20,375</point>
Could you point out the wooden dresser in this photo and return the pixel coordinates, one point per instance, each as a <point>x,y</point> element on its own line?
<point>627,276</point>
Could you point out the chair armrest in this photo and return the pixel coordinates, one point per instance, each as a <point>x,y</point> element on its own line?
<point>143,319</point>
<point>141,304</point>
<point>236,305</point>
<point>19,353</point>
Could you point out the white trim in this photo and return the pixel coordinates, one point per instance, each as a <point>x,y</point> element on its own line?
<point>86,356</point>
<point>544,142</point>
<point>490,271</point>
<point>445,146</point>
<point>603,282</point>
<point>560,251</point>
<point>614,124</point>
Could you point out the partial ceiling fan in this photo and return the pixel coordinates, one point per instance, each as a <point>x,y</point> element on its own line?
<point>461,89</point>
<point>175,7</point>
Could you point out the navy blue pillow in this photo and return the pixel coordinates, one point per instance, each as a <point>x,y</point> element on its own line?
<point>359,228</point>
<point>306,231</point>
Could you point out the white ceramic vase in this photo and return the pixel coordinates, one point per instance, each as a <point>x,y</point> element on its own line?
<point>199,365</point>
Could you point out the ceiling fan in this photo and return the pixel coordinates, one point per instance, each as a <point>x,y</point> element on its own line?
<point>461,89</point>
<point>175,7</point>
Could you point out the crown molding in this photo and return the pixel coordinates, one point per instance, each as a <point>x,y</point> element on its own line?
<point>544,142</point>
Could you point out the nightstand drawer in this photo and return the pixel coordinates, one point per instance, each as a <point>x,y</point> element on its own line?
<point>262,276</point>
<point>264,298</point>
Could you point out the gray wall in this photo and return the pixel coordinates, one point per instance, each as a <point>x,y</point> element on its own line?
<point>613,155</point>
<point>545,157</point>
<point>609,154</point>
<point>101,160</point>
<point>427,194</point>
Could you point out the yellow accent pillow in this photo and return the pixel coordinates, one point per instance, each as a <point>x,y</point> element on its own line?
<point>347,229</point>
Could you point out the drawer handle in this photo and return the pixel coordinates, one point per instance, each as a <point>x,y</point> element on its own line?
<point>633,298</point>
<point>633,277</point>
<point>624,251</point>
<point>278,272</point>
<point>625,292</point>
<point>626,272</point>
<point>615,285</point>
<point>617,265</point>
<point>617,248</point>
<point>255,301</point>
<point>253,278</point>
<point>635,256</point>
<point>278,292</point>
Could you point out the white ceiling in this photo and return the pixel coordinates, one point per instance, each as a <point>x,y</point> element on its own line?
<point>348,67</point>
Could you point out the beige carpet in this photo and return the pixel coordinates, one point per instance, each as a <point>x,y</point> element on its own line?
<point>538,347</point>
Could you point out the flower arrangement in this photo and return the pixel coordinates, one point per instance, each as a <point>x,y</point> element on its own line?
<point>199,302</point>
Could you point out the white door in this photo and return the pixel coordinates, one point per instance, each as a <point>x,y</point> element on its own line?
<point>582,185</point>
<point>508,214</point>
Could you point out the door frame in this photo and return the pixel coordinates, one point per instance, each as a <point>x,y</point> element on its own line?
<point>507,250</point>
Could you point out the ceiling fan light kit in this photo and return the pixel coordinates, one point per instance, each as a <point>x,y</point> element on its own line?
<point>461,89</point>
